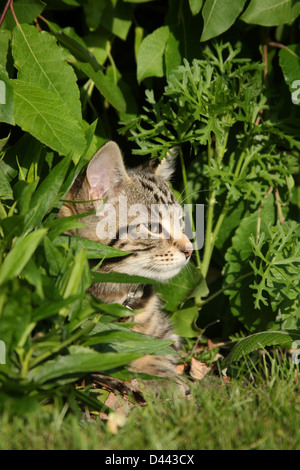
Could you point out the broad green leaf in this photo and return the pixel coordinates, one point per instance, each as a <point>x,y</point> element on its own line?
<point>40,68</point>
<point>93,11</point>
<point>117,18</point>
<point>19,255</point>
<point>184,322</point>
<point>25,10</point>
<point>78,364</point>
<point>261,340</point>
<point>42,113</point>
<point>271,12</point>
<point>289,60</point>
<point>150,58</point>
<point>219,15</point>
<point>238,274</point>
<point>3,48</point>
<point>188,283</point>
<point>123,339</point>
<point>172,54</point>
<point>195,6</point>
<point>6,98</point>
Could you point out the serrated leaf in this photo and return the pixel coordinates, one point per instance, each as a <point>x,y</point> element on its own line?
<point>151,54</point>
<point>260,340</point>
<point>219,15</point>
<point>41,113</point>
<point>46,70</point>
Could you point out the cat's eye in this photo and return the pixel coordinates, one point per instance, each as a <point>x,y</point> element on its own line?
<point>156,228</point>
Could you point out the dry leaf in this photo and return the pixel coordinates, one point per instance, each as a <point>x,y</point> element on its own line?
<point>115,421</point>
<point>199,369</point>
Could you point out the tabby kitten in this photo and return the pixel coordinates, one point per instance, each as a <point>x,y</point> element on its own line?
<point>155,251</point>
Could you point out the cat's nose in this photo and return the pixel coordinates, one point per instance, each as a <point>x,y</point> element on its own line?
<point>188,250</point>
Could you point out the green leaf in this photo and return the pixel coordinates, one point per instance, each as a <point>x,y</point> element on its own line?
<point>78,364</point>
<point>219,15</point>
<point>151,54</point>
<point>271,12</point>
<point>184,322</point>
<point>187,284</point>
<point>105,85</point>
<point>117,18</point>
<point>19,255</point>
<point>6,99</point>
<point>238,273</point>
<point>40,68</point>
<point>5,189</point>
<point>48,309</point>
<point>261,340</point>
<point>195,6</point>
<point>42,113</point>
<point>3,47</point>
<point>120,277</point>
<point>93,249</point>
<point>289,60</point>
<point>93,11</point>
<point>47,194</point>
<point>123,339</point>
<point>172,54</point>
<point>25,10</point>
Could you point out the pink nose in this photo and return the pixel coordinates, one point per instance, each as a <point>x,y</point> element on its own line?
<point>188,250</point>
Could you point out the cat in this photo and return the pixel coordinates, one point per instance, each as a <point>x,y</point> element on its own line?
<point>156,253</point>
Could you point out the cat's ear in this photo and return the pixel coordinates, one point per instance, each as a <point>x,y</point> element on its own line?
<point>105,171</point>
<point>166,167</point>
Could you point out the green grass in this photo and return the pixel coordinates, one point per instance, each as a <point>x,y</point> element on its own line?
<point>260,409</point>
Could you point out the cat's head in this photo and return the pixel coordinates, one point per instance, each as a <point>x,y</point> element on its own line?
<point>136,212</point>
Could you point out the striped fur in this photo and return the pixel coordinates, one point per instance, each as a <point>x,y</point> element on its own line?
<point>158,257</point>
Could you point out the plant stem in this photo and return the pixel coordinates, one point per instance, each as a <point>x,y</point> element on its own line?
<point>211,235</point>
<point>185,182</point>
<point>5,11</point>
